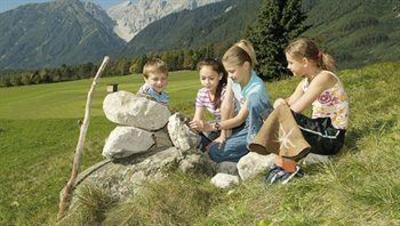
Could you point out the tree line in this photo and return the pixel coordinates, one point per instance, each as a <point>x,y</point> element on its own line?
<point>176,60</point>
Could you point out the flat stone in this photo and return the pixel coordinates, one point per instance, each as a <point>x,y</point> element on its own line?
<point>125,108</point>
<point>124,141</point>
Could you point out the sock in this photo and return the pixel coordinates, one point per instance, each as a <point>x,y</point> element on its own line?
<point>287,164</point>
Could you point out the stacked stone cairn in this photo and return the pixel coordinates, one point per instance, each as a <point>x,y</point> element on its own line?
<point>141,148</point>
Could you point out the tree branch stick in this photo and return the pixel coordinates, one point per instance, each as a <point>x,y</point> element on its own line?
<point>69,187</point>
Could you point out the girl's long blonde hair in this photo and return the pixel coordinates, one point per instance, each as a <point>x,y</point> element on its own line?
<point>239,53</point>
<point>307,48</point>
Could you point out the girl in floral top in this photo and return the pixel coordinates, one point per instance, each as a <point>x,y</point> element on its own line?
<point>322,90</point>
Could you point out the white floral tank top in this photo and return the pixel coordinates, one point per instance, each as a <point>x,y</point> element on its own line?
<point>332,103</point>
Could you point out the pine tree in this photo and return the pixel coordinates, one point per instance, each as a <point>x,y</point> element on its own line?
<point>278,22</point>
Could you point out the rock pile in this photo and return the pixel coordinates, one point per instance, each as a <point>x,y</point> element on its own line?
<point>140,149</point>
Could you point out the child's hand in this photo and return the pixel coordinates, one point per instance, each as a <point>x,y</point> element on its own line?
<point>279,101</point>
<point>219,141</point>
<point>197,125</point>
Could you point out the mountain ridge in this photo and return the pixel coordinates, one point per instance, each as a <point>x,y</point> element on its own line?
<point>68,30</point>
<point>74,32</point>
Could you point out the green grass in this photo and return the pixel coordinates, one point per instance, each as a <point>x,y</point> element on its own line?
<point>68,99</point>
<point>360,187</point>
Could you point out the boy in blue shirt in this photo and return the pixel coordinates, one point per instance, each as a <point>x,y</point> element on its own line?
<point>155,75</point>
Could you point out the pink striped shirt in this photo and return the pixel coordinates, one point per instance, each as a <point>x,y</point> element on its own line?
<point>203,100</point>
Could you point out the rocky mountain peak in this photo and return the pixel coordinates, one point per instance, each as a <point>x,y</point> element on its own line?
<point>98,13</point>
<point>132,16</point>
<point>68,2</point>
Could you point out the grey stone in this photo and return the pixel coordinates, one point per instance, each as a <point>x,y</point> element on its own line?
<point>223,180</point>
<point>253,163</point>
<point>312,158</point>
<point>121,179</point>
<point>181,135</point>
<point>124,141</point>
<point>125,108</point>
<point>197,163</point>
<point>161,138</point>
<point>227,167</point>
<point>124,178</point>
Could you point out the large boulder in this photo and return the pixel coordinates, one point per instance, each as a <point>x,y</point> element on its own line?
<point>125,108</point>
<point>122,178</point>
<point>124,141</point>
<point>180,133</point>
<point>253,163</point>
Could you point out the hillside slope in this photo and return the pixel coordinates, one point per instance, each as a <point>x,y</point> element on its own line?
<point>52,34</point>
<point>359,187</point>
<point>215,23</point>
<point>355,32</point>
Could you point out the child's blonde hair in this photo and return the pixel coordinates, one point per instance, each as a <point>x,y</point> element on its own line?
<point>239,53</point>
<point>155,65</point>
<point>307,48</point>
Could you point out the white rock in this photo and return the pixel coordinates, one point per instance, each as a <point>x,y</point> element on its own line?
<point>125,141</point>
<point>222,180</point>
<point>125,108</point>
<point>253,163</point>
<point>181,135</point>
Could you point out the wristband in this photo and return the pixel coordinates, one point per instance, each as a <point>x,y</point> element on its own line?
<point>217,126</point>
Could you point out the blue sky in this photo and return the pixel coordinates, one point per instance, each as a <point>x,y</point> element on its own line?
<point>10,4</point>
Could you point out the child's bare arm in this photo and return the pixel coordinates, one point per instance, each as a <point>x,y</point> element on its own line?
<point>237,120</point>
<point>197,123</point>
<point>321,82</point>
<point>298,92</point>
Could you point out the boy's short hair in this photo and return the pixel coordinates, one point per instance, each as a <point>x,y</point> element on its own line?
<point>153,66</point>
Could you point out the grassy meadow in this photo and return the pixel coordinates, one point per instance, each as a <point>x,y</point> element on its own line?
<point>39,131</point>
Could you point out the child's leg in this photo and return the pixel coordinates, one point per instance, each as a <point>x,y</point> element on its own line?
<point>288,165</point>
<point>206,139</point>
<point>281,135</point>
<point>255,120</point>
<point>320,134</point>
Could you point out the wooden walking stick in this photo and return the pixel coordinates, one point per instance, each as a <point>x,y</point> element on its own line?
<point>69,187</point>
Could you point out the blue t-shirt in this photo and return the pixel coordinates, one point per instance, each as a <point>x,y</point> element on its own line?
<point>258,103</point>
<point>147,90</point>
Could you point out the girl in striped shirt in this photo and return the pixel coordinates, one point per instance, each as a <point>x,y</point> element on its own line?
<point>213,78</point>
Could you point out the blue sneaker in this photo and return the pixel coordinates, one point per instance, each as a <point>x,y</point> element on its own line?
<point>278,174</point>
<point>297,173</point>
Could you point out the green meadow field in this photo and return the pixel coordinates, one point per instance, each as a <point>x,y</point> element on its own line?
<point>361,186</point>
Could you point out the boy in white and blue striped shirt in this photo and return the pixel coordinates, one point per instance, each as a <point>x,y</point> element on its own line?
<point>155,74</point>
